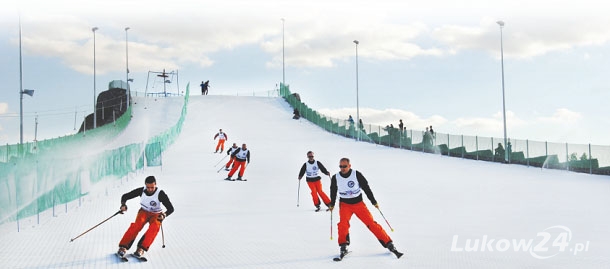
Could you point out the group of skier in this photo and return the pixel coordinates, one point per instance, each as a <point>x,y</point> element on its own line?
<point>348,184</point>
<point>240,156</point>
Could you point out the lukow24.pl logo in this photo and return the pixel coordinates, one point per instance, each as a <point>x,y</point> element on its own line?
<point>547,244</point>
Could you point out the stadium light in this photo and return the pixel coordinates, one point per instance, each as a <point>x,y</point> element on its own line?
<point>501,23</point>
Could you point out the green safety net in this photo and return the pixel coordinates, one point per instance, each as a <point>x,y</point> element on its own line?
<point>587,158</point>
<point>42,174</point>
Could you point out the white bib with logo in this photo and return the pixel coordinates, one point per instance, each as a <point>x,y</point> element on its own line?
<point>311,170</point>
<point>151,203</point>
<point>348,187</point>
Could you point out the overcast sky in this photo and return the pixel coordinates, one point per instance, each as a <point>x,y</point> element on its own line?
<point>426,62</point>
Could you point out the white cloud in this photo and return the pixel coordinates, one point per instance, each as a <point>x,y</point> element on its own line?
<point>386,117</point>
<point>317,33</point>
<point>3,108</point>
<point>527,37</point>
<point>562,116</point>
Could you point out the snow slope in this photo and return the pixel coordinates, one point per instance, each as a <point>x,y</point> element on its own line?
<point>434,203</point>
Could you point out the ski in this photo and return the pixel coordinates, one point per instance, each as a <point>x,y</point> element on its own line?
<point>340,258</point>
<point>243,179</point>
<point>229,179</point>
<point>141,258</point>
<point>122,258</point>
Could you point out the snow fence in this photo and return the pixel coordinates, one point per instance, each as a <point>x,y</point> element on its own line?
<point>41,175</point>
<point>585,158</point>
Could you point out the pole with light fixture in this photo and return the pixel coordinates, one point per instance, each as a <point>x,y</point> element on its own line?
<point>501,23</point>
<point>94,91</point>
<point>127,91</point>
<point>357,100</point>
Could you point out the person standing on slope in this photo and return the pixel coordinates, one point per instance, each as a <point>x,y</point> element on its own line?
<point>241,155</point>
<point>222,137</point>
<point>350,184</point>
<point>229,151</point>
<point>150,212</point>
<point>312,167</point>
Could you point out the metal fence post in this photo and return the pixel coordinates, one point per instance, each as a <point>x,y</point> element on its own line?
<point>590,160</point>
<point>463,149</point>
<point>567,158</point>
<point>476,139</point>
<point>527,149</point>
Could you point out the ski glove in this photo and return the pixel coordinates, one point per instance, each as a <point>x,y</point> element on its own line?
<point>376,206</point>
<point>123,208</point>
<point>161,217</point>
<point>331,207</point>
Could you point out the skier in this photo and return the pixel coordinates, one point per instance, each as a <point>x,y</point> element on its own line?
<point>314,180</point>
<point>241,155</point>
<point>349,183</point>
<point>229,151</point>
<point>151,199</point>
<point>222,137</point>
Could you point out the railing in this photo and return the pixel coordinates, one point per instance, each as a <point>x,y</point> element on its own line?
<point>586,158</point>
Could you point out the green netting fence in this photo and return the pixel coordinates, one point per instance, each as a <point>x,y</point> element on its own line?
<point>586,158</point>
<point>43,174</point>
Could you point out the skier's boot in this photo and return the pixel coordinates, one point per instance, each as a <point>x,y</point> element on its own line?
<point>139,253</point>
<point>392,248</point>
<point>239,178</point>
<point>317,208</point>
<point>343,250</point>
<point>121,252</point>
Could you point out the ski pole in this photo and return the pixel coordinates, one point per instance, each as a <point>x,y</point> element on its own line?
<point>331,225</point>
<point>386,221</point>
<point>218,171</point>
<point>299,193</point>
<point>221,160</point>
<point>118,212</point>
<point>162,235</point>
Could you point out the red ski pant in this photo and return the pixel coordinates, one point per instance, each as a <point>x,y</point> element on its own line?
<point>359,209</point>
<point>153,228</point>
<point>238,164</point>
<point>230,161</point>
<point>221,145</point>
<point>316,190</point>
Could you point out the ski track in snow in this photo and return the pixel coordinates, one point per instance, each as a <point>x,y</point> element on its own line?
<point>256,224</point>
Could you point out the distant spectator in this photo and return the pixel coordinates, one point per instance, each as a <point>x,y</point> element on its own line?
<point>204,87</point>
<point>427,138</point>
<point>360,125</point>
<point>350,120</point>
<point>499,152</point>
<point>400,125</point>
<point>432,132</point>
<point>296,113</point>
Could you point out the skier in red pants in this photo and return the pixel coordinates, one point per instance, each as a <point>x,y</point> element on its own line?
<point>314,180</point>
<point>242,155</point>
<point>232,159</point>
<point>350,184</point>
<point>222,137</point>
<point>150,212</point>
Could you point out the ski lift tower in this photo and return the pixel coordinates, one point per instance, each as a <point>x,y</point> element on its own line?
<point>166,78</point>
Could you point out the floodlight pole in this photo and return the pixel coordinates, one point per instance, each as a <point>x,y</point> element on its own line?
<point>283,53</point>
<point>94,91</point>
<point>20,89</point>
<point>501,23</point>
<point>357,100</point>
<point>127,67</point>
